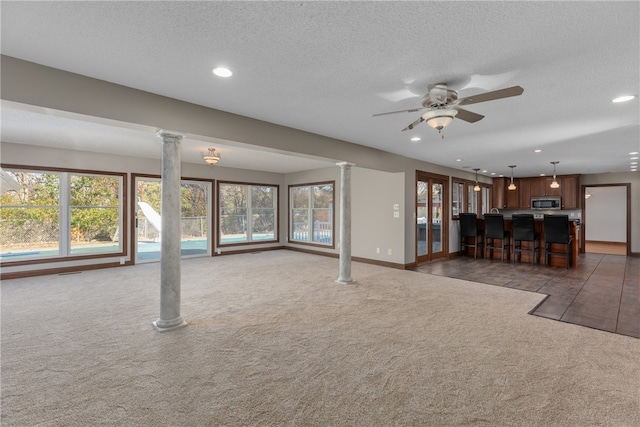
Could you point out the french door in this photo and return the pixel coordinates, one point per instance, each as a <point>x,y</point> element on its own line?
<point>432,223</point>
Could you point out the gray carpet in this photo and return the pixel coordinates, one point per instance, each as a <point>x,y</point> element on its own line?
<point>272,340</point>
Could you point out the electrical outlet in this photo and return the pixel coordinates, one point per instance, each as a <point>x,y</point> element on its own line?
<point>122,261</point>
<point>377,250</point>
<point>396,214</point>
<point>389,251</point>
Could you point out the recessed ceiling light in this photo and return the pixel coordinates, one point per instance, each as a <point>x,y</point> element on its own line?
<point>634,158</point>
<point>624,98</point>
<point>416,138</point>
<point>458,160</point>
<point>634,163</point>
<point>633,153</point>
<point>484,171</point>
<point>493,173</point>
<point>537,150</point>
<point>543,174</point>
<point>222,72</point>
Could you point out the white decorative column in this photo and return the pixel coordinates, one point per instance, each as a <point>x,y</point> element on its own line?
<point>171,235</point>
<point>345,223</point>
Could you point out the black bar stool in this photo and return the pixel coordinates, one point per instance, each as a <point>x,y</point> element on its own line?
<point>524,230</point>
<point>556,231</point>
<point>468,231</point>
<point>494,230</point>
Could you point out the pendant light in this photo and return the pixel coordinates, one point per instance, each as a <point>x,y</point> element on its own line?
<point>512,186</point>
<point>477,187</point>
<point>554,183</point>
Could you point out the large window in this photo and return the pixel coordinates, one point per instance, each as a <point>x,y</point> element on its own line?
<point>311,213</point>
<point>457,199</point>
<point>466,199</point>
<point>248,213</point>
<point>195,217</point>
<point>59,214</point>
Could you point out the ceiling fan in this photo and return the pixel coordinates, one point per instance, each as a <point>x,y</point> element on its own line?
<point>442,105</point>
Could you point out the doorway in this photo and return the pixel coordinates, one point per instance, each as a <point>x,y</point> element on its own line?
<point>606,219</point>
<point>432,225</point>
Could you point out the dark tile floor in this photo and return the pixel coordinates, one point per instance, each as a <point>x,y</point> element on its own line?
<point>603,292</point>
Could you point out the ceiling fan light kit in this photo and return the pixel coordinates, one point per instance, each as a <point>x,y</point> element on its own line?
<point>443,105</point>
<point>439,119</point>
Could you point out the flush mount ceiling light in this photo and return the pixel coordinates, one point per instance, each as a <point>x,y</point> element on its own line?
<point>416,139</point>
<point>439,119</point>
<point>537,150</point>
<point>477,187</point>
<point>554,183</point>
<point>512,186</point>
<point>211,157</point>
<point>624,98</point>
<point>222,72</point>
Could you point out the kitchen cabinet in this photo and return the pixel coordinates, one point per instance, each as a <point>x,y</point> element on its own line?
<point>512,197</point>
<point>524,193</point>
<point>541,186</point>
<point>502,198</point>
<point>497,193</point>
<point>537,186</point>
<point>570,191</point>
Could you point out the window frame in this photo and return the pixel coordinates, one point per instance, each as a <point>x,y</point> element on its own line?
<point>249,214</point>
<point>310,208</point>
<point>64,215</point>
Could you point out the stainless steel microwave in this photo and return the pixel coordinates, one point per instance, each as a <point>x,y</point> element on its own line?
<point>546,203</point>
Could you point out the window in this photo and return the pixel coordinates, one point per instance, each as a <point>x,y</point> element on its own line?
<point>457,200</point>
<point>311,213</point>
<point>465,199</point>
<point>472,199</point>
<point>59,214</point>
<point>94,213</point>
<point>248,213</point>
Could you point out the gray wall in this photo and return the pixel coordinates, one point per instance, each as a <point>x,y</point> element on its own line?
<point>632,178</point>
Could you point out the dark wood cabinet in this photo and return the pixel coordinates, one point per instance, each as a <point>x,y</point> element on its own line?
<point>570,191</point>
<point>520,198</point>
<point>497,193</point>
<point>552,191</point>
<point>524,193</point>
<point>512,197</point>
<point>537,186</point>
<point>541,187</point>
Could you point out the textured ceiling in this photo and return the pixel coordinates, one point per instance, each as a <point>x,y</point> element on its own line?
<point>327,67</point>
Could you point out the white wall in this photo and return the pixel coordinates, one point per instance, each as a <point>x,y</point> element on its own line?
<point>606,214</point>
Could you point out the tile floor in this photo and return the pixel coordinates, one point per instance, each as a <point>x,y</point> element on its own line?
<point>603,292</point>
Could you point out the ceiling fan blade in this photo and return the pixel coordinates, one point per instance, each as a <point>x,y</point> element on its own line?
<point>467,116</point>
<point>490,96</point>
<point>413,110</point>
<point>414,124</point>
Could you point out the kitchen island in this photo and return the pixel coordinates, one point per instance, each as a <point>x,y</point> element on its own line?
<point>559,261</point>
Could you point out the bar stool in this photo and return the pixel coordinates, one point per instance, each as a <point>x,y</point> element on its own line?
<point>469,230</point>
<point>524,230</point>
<point>556,231</point>
<point>494,230</point>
